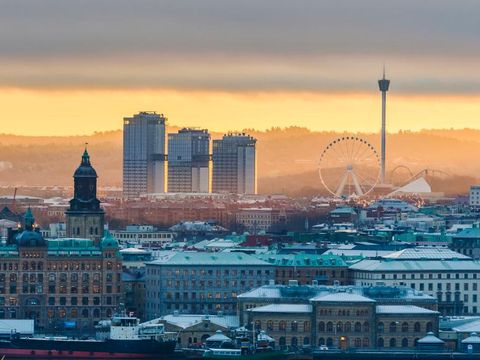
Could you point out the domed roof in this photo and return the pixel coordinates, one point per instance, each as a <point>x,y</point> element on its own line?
<point>30,236</point>
<point>108,241</point>
<point>85,169</point>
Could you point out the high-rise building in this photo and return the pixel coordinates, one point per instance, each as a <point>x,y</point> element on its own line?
<point>234,164</point>
<point>85,217</point>
<point>144,158</point>
<point>188,161</point>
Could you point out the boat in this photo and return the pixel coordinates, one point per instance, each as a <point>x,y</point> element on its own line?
<point>220,347</point>
<point>126,338</point>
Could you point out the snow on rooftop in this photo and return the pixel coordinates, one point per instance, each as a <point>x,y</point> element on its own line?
<point>342,297</point>
<point>403,309</point>
<point>425,253</point>
<point>284,308</point>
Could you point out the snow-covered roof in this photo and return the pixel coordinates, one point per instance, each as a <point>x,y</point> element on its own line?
<point>218,336</point>
<point>417,186</point>
<point>403,309</point>
<point>284,308</point>
<point>425,253</point>
<point>430,338</point>
<point>472,339</point>
<point>473,326</point>
<point>415,265</point>
<point>342,297</point>
<point>187,320</point>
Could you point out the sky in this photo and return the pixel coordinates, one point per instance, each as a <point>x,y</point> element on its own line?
<point>78,67</point>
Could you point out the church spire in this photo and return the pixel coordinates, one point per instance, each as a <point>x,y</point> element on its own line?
<point>85,156</point>
<point>29,219</point>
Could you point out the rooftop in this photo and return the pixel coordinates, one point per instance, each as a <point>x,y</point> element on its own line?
<point>284,308</point>
<point>201,258</point>
<point>434,253</point>
<point>186,320</point>
<point>302,259</point>
<point>403,309</point>
<point>415,265</point>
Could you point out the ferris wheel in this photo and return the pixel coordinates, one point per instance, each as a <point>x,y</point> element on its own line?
<point>349,167</point>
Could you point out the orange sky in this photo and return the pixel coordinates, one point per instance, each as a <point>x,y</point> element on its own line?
<point>66,112</point>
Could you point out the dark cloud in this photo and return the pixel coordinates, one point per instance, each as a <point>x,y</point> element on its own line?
<point>221,44</point>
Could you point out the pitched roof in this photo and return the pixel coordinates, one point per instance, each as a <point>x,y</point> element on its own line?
<point>342,297</point>
<point>201,258</point>
<point>403,309</point>
<point>283,308</point>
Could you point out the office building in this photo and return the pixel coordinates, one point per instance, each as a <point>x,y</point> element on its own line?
<point>188,161</point>
<point>201,283</point>
<point>474,197</point>
<point>234,165</point>
<point>144,159</point>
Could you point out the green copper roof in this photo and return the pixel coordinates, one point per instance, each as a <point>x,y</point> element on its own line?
<point>108,241</point>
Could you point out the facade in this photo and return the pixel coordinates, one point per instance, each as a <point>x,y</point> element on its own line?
<point>474,197</point>
<point>85,218</point>
<point>146,236</point>
<point>339,317</point>
<point>449,276</point>
<point>259,219</point>
<point>188,161</point>
<point>308,268</point>
<point>467,241</point>
<point>234,165</point>
<point>144,159</point>
<point>201,283</point>
<point>63,284</point>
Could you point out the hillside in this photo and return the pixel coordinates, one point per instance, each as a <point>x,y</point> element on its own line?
<point>287,158</point>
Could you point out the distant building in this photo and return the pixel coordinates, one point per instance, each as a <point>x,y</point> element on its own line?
<point>201,283</point>
<point>234,165</point>
<point>144,159</point>
<point>188,161</point>
<point>147,236</point>
<point>474,197</point>
<point>259,219</point>
<point>467,241</point>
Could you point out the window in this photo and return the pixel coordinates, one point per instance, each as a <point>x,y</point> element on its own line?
<point>404,342</point>
<point>321,327</point>
<point>381,327</point>
<point>405,326</point>
<point>416,327</point>
<point>282,325</point>
<point>393,342</point>
<point>358,327</point>
<point>393,327</point>
<point>329,326</point>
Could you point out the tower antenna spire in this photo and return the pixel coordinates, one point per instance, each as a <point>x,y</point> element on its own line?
<point>383,85</point>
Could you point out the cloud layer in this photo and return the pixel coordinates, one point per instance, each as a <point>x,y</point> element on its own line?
<point>305,45</point>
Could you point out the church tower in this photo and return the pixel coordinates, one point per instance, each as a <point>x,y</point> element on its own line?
<point>85,218</point>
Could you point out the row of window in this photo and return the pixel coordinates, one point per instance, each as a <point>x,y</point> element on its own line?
<point>209,284</point>
<point>39,266</point>
<point>405,327</point>
<point>203,272</point>
<point>343,327</point>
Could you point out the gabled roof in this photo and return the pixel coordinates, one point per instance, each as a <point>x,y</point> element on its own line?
<point>342,297</point>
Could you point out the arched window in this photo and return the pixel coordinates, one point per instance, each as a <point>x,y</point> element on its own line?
<point>393,327</point>
<point>13,277</point>
<point>306,326</point>
<point>429,326</point>
<point>321,341</point>
<point>294,342</point>
<point>329,326</point>
<point>404,342</point>
<point>321,326</point>
<point>380,343</point>
<point>416,327</point>
<point>270,325</point>
<point>405,326</point>
<point>358,327</point>
<point>306,340</point>
<point>96,313</point>
<point>282,341</point>
<point>329,342</point>
<point>109,313</point>
<point>85,313</point>
<point>348,327</point>
<point>258,325</point>
<point>294,326</point>
<point>73,313</point>
<point>366,342</point>
<point>393,342</point>
<point>381,327</point>
<point>366,327</point>
<point>282,325</point>
<point>358,342</point>
<point>339,326</point>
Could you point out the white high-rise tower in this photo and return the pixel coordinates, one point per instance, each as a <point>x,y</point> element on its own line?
<point>383,85</point>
